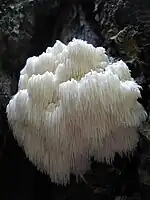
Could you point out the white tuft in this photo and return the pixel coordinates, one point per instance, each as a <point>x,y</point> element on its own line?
<point>73,104</point>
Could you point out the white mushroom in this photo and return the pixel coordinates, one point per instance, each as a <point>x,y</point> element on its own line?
<point>71,105</point>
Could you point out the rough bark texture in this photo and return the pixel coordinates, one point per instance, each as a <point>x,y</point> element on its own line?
<point>27,27</point>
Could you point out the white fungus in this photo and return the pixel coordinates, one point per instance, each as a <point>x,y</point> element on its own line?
<point>73,104</point>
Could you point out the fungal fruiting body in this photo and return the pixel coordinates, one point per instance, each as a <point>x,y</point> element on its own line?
<point>73,104</point>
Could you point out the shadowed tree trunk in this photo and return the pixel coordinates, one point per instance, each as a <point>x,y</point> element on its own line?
<point>26,29</point>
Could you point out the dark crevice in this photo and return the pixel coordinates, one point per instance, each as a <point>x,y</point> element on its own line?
<point>43,33</point>
<point>88,9</point>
